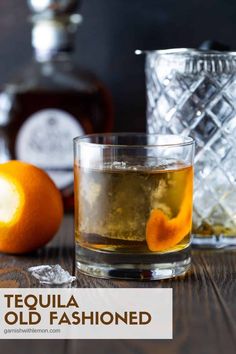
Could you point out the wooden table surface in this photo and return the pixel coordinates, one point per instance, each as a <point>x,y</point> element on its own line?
<point>204,303</point>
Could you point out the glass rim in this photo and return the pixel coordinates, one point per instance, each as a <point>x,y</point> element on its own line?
<point>187,51</point>
<point>186,140</point>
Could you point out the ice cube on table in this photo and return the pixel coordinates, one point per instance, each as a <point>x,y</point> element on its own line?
<point>52,275</point>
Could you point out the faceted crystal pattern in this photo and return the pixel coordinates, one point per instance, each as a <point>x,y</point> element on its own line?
<point>203,105</point>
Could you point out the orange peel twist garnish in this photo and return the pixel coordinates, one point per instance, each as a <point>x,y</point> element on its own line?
<point>163,233</point>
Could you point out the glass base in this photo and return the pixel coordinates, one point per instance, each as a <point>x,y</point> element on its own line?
<point>213,241</point>
<point>115,265</point>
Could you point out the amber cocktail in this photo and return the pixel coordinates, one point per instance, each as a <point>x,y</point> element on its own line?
<point>133,203</point>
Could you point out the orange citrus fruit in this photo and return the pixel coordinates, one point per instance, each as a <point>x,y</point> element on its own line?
<point>31,207</point>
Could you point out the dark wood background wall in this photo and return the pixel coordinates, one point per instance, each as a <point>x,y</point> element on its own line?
<point>111,31</point>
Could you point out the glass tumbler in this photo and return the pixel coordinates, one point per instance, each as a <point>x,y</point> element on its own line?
<point>133,205</point>
<point>193,93</point>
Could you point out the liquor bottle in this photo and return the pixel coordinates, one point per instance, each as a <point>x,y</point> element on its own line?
<point>52,101</point>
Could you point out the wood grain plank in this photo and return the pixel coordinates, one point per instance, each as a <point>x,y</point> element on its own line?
<point>204,302</point>
<point>13,269</point>
<point>203,314</point>
<point>42,346</point>
<point>13,273</point>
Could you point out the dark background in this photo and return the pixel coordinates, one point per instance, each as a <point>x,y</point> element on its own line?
<point>109,35</point>
<point>111,31</point>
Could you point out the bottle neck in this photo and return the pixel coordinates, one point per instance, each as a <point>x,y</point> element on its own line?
<point>44,56</point>
<point>52,39</point>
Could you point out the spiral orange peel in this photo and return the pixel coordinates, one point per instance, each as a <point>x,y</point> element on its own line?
<point>163,233</point>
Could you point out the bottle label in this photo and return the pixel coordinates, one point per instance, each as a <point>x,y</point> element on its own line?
<point>45,140</point>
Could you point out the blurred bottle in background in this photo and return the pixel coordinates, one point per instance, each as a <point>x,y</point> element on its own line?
<point>52,101</point>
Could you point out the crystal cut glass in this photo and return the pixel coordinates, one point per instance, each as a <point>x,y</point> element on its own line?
<point>192,92</point>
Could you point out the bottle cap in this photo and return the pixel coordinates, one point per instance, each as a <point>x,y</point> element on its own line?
<point>54,26</point>
<point>54,6</point>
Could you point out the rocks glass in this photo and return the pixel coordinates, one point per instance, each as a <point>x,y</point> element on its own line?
<point>133,205</point>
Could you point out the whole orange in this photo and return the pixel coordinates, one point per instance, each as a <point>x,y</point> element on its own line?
<point>31,207</point>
